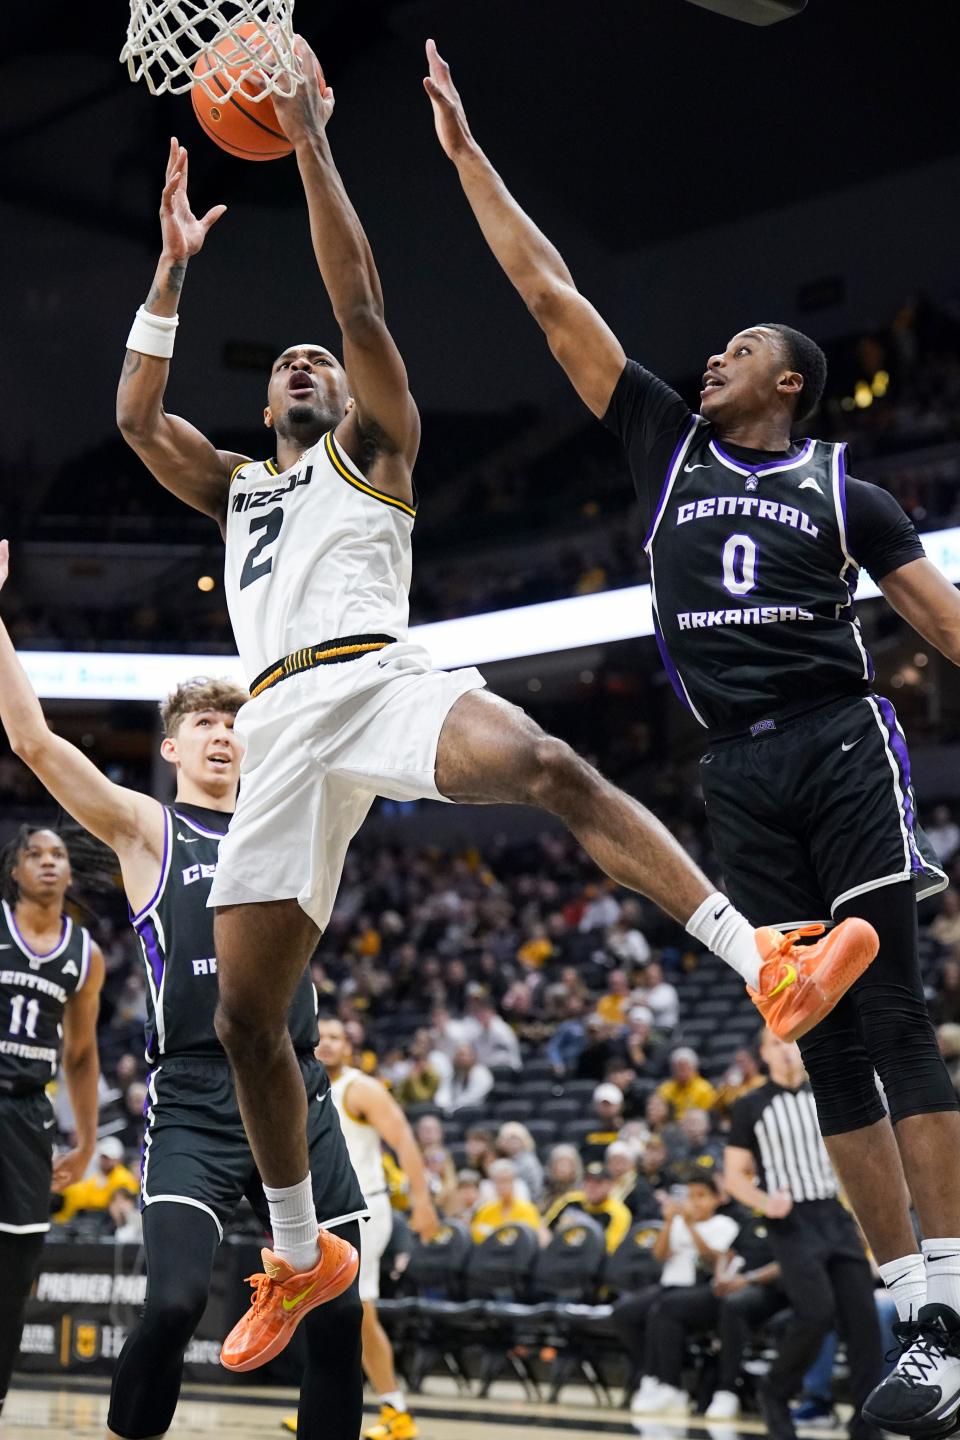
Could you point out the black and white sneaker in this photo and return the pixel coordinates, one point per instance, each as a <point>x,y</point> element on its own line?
<point>921,1395</point>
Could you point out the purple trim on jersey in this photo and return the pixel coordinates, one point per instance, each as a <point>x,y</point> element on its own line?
<point>768,466</point>
<point>167,833</point>
<point>684,440</point>
<point>200,829</point>
<point>842,488</point>
<point>899,747</point>
<point>673,674</point>
<point>29,949</point>
<point>151,948</point>
<point>851,580</point>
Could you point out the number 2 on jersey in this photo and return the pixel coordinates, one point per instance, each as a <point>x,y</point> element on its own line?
<point>740,564</point>
<point>254,568</point>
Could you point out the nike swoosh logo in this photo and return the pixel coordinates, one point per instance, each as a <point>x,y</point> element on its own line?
<point>188,839</point>
<point>722,911</point>
<point>295,1300</point>
<point>788,979</point>
<point>48,1124</point>
<point>845,747</point>
<point>688,468</point>
<point>953,1255</point>
<point>321,1098</point>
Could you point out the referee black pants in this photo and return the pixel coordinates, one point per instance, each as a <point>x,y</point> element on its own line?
<point>826,1278</point>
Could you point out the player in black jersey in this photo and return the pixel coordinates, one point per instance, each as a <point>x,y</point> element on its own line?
<point>755,545</point>
<point>51,974</point>
<point>197,1164</point>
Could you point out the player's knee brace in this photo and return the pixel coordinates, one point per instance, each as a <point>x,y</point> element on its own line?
<point>901,1042</point>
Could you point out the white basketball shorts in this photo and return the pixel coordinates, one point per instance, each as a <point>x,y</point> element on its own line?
<point>320,746</point>
<point>374,1239</point>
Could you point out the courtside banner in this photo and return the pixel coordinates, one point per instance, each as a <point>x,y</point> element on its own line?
<point>544,629</point>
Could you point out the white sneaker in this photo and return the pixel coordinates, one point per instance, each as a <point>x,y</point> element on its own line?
<point>724,1406</point>
<point>921,1395</point>
<point>644,1400</point>
<point>668,1400</point>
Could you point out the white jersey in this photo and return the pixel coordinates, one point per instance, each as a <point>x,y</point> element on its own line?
<point>313,553</point>
<point>363,1141</point>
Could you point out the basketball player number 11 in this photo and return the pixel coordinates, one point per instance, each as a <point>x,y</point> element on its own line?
<point>740,564</point>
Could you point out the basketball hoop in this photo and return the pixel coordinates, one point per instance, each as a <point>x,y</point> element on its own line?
<point>166,38</point>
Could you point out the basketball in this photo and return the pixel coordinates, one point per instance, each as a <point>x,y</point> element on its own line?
<point>244,127</point>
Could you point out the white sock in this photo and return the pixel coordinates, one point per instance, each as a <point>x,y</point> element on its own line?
<point>941,1259</point>
<point>724,931</point>
<point>396,1398</point>
<point>293,1222</point>
<point>906,1280</point>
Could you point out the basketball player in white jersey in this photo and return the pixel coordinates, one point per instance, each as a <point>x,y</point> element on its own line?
<point>369,1118</point>
<point>345,708</point>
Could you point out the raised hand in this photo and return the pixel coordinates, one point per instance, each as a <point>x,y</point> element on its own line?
<point>4,562</point>
<point>449,116</point>
<point>183,234</point>
<point>307,111</point>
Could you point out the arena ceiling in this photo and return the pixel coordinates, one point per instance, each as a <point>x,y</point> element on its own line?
<point>640,119</point>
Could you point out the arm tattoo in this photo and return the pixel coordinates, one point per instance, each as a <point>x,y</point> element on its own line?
<point>132,361</point>
<point>154,295</point>
<point>175,277</point>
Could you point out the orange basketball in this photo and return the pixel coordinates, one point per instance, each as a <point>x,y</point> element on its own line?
<point>246,128</point>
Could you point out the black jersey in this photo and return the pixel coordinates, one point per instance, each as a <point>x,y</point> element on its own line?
<point>34,990</point>
<point>176,937</point>
<point>754,560</point>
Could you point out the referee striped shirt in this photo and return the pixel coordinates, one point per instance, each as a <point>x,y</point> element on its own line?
<point>779,1127</point>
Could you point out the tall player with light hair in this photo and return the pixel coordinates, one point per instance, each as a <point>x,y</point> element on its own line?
<point>344,707</point>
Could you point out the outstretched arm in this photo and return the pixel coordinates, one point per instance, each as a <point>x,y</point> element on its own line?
<point>183,460</point>
<point>81,1069</point>
<point>927,601</point>
<point>383,428</point>
<point>579,338</point>
<point>130,823</point>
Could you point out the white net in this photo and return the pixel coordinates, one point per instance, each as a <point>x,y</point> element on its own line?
<point>166,38</point>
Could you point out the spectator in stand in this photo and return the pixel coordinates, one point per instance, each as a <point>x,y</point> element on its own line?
<point>537,948</point>
<point>626,941</point>
<point>638,1046</point>
<point>948,1039</point>
<point>493,1041</point>
<point>943,833</point>
<point>516,1143</point>
<point>700,1147</point>
<point>743,1075</point>
<point>693,1236</point>
<point>569,1040</point>
<point>600,1049</point>
<point>441,1176</point>
<point>597,1200</point>
<point>420,1084</point>
<point>622,1165</point>
<point>520,1010</point>
<point>125,1214</point>
<point>466,1082</point>
<point>946,1003</point>
<point>447,1034</point>
<point>686,1087</point>
<point>463,1203</point>
<point>574,983</point>
<point>659,997</point>
<point>742,1296</point>
<point>612,1007</point>
<point>946,927</point>
<point>508,1208</point>
<point>134,1103</point>
<point>94,1191</point>
<point>607,1106</point>
<point>602,909</point>
<point>564,1173</point>
<point>635,1092</point>
<point>429,1132</point>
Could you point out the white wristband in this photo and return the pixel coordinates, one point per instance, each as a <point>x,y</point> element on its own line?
<point>153,334</point>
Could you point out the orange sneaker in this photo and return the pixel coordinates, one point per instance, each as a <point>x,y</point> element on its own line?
<point>800,984</point>
<point>281,1298</point>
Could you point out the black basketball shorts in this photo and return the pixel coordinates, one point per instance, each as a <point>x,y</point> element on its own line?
<point>811,812</point>
<point>196,1152</point>
<point>26,1162</point>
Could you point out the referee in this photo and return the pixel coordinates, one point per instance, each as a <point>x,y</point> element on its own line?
<point>823,1266</point>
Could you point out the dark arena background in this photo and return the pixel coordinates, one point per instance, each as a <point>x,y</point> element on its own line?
<point>698,175</point>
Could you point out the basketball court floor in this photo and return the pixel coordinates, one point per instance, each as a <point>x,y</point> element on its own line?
<point>78,1412</point>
